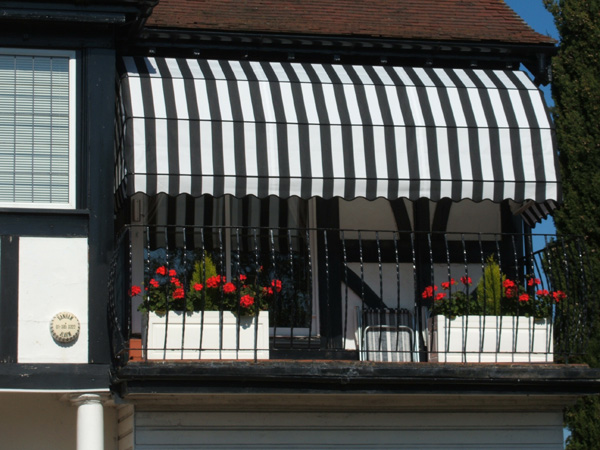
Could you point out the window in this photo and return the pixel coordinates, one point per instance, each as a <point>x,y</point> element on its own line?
<point>37,128</point>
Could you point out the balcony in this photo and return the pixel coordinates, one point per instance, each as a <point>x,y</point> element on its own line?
<point>199,294</point>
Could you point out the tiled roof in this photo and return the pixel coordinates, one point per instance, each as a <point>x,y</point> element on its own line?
<point>456,20</point>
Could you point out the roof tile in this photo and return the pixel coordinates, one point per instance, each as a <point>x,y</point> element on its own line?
<point>459,20</point>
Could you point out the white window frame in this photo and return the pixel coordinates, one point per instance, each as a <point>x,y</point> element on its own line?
<point>72,56</point>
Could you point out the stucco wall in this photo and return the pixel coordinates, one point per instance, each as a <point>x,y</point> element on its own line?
<point>34,421</point>
<point>53,278</point>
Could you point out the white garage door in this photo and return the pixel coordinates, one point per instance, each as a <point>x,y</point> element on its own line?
<point>282,430</point>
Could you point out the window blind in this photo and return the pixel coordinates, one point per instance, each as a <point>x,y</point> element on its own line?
<point>34,129</point>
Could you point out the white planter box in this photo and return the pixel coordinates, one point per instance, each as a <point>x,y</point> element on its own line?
<point>223,337</point>
<point>490,339</point>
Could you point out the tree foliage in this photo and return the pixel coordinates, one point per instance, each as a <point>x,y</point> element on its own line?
<point>576,92</point>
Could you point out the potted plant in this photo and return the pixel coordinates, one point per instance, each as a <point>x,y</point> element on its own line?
<point>500,321</point>
<point>210,317</point>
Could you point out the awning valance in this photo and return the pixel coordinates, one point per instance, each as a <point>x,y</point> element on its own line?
<point>296,129</point>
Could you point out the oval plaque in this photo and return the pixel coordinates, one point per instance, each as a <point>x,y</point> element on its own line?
<point>64,327</point>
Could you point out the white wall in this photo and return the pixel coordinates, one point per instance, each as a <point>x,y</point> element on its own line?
<point>53,277</point>
<point>34,421</point>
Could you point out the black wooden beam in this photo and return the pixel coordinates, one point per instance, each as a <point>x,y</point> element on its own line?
<point>9,298</point>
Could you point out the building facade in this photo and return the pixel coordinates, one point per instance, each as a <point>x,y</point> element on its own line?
<point>282,224</point>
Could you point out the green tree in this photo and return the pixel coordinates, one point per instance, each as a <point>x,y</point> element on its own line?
<point>576,92</point>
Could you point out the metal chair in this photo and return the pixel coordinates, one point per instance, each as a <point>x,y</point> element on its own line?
<point>386,335</point>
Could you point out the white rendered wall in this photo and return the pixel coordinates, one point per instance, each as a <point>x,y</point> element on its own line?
<point>53,277</point>
<point>34,421</point>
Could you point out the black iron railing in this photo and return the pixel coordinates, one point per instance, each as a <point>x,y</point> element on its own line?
<point>256,293</point>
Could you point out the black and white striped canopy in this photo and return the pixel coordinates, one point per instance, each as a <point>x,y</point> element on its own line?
<point>298,129</point>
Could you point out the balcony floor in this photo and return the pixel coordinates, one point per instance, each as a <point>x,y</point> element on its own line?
<point>338,376</point>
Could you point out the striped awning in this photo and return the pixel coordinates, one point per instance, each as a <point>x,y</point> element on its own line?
<point>296,129</point>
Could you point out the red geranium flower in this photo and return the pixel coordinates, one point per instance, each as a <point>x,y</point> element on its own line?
<point>243,277</point>
<point>509,288</point>
<point>154,283</point>
<point>172,273</point>
<point>178,293</point>
<point>198,286</point>
<point>508,283</point>
<point>558,296</point>
<point>162,270</point>
<point>246,301</point>
<point>534,281</point>
<point>134,290</point>
<point>212,282</point>
<point>229,288</point>
<point>175,281</point>
<point>276,285</point>
<point>428,292</point>
<point>267,290</point>
<point>524,297</point>
<point>466,280</point>
<point>440,296</point>
<point>542,292</point>
<point>446,284</point>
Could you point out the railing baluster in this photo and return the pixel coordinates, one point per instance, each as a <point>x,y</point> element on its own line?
<point>586,293</point>
<point>203,295</point>
<point>328,303</point>
<point>257,263</point>
<point>465,320</point>
<point>380,267</point>
<point>310,284</point>
<point>276,297</point>
<point>168,265</point>
<point>345,262</point>
<point>236,276</point>
<point>482,301</point>
<point>293,299</point>
<point>130,308</point>
<point>417,308</point>
<point>519,277</point>
<point>571,308</point>
<point>183,277</point>
<point>222,263</point>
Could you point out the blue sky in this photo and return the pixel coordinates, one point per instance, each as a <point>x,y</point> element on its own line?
<point>538,18</point>
<point>534,13</point>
